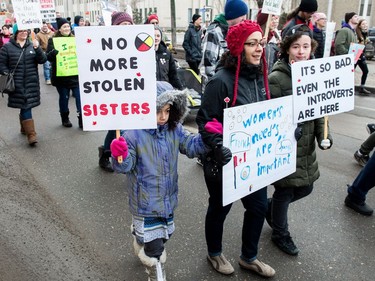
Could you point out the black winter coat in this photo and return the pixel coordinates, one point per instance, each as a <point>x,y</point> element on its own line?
<point>320,37</point>
<point>192,44</point>
<point>62,81</point>
<point>166,69</point>
<point>26,77</point>
<point>221,85</point>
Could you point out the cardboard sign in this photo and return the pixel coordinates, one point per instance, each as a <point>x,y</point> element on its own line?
<point>330,29</point>
<point>117,78</point>
<point>356,50</point>
<point>261,138</point>
<point>322,87</point>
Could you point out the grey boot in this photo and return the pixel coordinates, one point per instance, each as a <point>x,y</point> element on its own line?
<point>104,161</point>
<point>154,267</point>
<point>65,119</point>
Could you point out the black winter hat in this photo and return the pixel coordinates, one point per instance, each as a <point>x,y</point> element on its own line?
<point>195,17</point>
<point>348,16</point>
<point>77,19</point>
<point>61,22</point>
<point>308,6</point>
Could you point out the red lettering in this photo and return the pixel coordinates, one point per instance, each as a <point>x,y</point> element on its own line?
<point>135,108</point>
<point>125,109</point>
<point>95,109</point>
<point>86,110</point>
<point>103,109</point>
<point>145,108</point>
<point>113,106</point>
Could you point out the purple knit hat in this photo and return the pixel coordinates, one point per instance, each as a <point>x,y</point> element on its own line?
<point>119,17</point>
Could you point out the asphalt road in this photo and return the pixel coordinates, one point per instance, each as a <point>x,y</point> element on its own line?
<point>62,218</point>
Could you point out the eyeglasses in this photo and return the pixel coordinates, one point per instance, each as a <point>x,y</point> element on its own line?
<point>256,43</point>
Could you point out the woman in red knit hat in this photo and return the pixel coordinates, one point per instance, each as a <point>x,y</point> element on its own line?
<point>241,78</point>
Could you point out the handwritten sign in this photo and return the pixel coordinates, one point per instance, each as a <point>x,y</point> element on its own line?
<point>261,138</point>
<point>117,78</point>
<point>66,59</point>
<point>322,87</point>
<point>356,50</point>
<point>27,13</point>
<point>272,7</point>
<point>47,10</point>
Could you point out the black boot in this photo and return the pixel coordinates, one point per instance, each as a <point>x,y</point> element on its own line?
<point>65,119</point>
<point>80,124</point>
<point>104,162</point>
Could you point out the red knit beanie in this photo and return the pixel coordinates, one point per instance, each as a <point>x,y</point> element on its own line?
<point>152,17</point>
<point>236,38</point>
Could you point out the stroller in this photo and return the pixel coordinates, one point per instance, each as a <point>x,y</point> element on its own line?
<point>193,82</point>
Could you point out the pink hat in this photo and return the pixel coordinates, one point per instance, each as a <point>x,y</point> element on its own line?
<point>318,16</point>
<point>236,38</point>
<point>119,17</point>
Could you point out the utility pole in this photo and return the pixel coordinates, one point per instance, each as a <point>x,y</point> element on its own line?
<point>173,22</point>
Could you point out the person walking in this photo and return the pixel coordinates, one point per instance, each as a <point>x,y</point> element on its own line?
<point>241,77</point>
<point>300,15</point>
<point>214,44</point>
<point>166,69</point>
<point>362,154</point>
<point>320,22</point>
<point>21,57</point>
<point>297,45</point>
<point>5,35</point>
<point>150,158</point>
<point>362,37</point>
<point>192,43</point>
<point>357,191</point>
<point>118,18</point>
<point>64,83</point>
<point>43,36</point>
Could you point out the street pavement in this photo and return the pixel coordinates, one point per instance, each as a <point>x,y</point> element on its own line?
<point>63,218</point>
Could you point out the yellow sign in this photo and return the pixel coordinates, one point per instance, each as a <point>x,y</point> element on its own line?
<point>66,59</point>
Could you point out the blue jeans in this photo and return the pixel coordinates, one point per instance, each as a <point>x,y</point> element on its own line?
<point>46,69</point>
<point>363,182</point>
<point>26,114</point>
<point>255,205</point>
<point>281,199</point>
<point>64,98</point>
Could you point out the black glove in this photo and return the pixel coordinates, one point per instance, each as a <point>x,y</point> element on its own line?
<point>298,133</point>
<point>222,154</point>
<point>55,52</point>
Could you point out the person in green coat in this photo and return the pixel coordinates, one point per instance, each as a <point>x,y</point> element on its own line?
<point>297,45</point>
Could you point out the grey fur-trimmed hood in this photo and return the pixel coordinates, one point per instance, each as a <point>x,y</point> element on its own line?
<point>177,99</point>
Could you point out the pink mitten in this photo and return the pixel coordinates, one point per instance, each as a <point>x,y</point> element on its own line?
<point>119,147</point>
<point>214,127</point>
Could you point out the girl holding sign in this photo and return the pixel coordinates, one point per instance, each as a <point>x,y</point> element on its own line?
<point>150,163</point>
<point>64,70</point>
<point>241,80</point>
<point>297,45</point>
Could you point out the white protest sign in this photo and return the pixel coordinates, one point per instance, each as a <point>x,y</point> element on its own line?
<point>117,66</point>
<point>330,29</point>
<point>261,138</point>
<point>356,50</point>
<point>47,10</point>
<point>27,14</point>
<point>322,87</point>
<point>272,7</point>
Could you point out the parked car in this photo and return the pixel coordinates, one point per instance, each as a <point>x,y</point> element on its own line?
<point>369,50</point>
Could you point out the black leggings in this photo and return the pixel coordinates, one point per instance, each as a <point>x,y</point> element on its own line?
<point>363,66</point>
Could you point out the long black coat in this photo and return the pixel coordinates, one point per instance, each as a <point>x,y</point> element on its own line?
<point>26,77</point>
